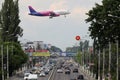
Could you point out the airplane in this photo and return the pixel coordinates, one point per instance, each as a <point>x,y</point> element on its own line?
<point>51,14</point>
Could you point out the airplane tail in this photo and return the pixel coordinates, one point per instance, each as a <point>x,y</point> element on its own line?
<point>31,9</point>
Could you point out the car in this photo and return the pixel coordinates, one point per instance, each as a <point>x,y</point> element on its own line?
<point>42,74</point>
<point>80,77</point>
<point>36,72</point>
<point>50,67</point>
<point>75,70</point>
<point>67,71</point>
<point>66,67</point>
<point>30,76</point>
<point>46,71</point>
<point>71,65</point>
<point>59,67</point>
<point>26,74</point>
<point>59,71</point>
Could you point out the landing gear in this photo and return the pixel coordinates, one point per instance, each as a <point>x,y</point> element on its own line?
<point>51,17</point>
<point>65,16</point>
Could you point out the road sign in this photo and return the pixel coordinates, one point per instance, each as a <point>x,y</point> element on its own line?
<point>77,37</point>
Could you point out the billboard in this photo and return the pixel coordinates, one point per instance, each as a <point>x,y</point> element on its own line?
<point>63,54</point>
<point>46,54</point>
<point>70,54</point>
<point>67,54</point>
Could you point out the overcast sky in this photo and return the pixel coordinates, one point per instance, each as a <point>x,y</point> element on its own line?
<point>59,31</point>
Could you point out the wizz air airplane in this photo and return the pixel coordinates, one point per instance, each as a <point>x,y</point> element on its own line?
<point>51,14</point>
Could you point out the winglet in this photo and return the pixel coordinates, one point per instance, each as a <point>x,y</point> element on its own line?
<point>31,9</point>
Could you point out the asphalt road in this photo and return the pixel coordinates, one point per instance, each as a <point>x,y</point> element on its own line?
<point>59,76</point>
<point>63,76</point>
<point>44,78</point>
<point>21,77</point>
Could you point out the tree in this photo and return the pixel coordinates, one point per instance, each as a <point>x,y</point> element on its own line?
<point>105,21</point>
<point>86,45</point>
<point>16,57</point>
<point>9,18</point>
<point>78,57</point>
<point>73,49</point>
<point>9,22</point>
<point>105,27</point>
<point>81,46</point>
<point>55,49</point>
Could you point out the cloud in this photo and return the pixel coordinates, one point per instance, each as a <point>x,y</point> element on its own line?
<point>79,11</point>
<point>58,5</point>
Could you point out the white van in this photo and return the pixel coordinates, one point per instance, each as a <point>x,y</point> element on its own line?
<point>29,76</point>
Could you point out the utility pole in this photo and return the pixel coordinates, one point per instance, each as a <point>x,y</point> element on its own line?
<point>7,62</point>
<point>117,59</point>
<point>83,58</point>
<point>2,61</point>
<point>99,64</point>
<point>2,67</point>
<point>103,63</point>
<point>109,69</point>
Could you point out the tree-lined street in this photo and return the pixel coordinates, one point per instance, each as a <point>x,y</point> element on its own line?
<point>99,61</point>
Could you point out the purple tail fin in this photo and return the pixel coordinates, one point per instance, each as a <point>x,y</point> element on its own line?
<point>31,9</point>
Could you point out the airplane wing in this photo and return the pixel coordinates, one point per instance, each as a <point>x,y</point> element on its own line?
<point>53,14</point>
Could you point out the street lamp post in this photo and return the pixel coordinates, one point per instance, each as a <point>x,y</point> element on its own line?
<point>109,69</point>
<point>87,58</point>
<point>83,57</point>
<point>117,59</point>
<point>7,62</point>
<point>117,45</point>
<point>8,57</point>
<point>2,67</point>
<point>103,64</point>
<point>78,39</point>
<point>2,61</point>
<point>99,64</point>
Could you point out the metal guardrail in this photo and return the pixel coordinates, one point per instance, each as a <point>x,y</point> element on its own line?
<point>52,74</point>
<point>86,74</point>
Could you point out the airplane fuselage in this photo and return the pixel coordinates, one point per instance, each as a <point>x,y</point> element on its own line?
<point>62,12</point>
<point>48,13</point>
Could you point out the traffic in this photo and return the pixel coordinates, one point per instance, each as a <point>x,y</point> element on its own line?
<point>61,69</point>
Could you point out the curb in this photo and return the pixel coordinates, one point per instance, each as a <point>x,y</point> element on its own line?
<point>86,74</point>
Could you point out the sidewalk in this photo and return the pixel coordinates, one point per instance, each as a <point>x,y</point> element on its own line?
<point>87,73</point>
<point>18,75</point>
